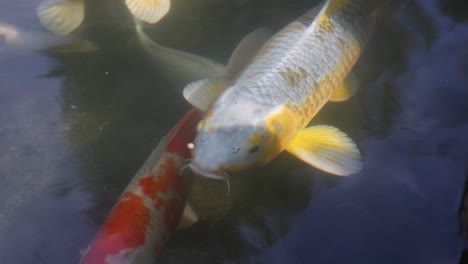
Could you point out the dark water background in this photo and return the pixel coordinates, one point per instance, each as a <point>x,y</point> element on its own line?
<point>74,128</point>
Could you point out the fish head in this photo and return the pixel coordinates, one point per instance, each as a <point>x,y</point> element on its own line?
<point>224,150</point>
<point>237,144</point>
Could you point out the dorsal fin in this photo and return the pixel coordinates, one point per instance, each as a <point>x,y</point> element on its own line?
<point>329,8</point>
<point>246,51</point>
<point>308,17</point>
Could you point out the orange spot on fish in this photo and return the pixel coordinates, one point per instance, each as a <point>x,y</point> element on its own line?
<point>167,178</point>
<point>167,191</point>
<point>125,228</point>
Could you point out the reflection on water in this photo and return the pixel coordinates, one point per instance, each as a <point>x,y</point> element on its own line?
<point>74,128</point>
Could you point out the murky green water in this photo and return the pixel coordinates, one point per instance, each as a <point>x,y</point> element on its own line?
<point>75,127</point>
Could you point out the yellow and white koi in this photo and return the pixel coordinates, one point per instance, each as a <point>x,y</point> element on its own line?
<point>264,110</point>
<point>64,16</point>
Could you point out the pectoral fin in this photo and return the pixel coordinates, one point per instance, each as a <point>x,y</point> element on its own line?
<point>189,217</point>
<point>200,94</point>
<point>328,149</point>
<point>150,11</point>
<point>246,51</point>
<point>61,17</point>
<point>346,89</point>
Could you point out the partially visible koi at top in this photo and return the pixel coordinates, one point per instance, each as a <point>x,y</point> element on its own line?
<point>62,17</point>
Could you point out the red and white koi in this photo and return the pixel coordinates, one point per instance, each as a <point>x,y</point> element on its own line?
<point>149,210</point>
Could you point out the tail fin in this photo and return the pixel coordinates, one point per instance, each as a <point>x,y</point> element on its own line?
<point>144,39</point>
<point>61,17</point>
<point>150,11</point>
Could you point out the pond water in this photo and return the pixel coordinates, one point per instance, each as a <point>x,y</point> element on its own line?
<point>76,126</point>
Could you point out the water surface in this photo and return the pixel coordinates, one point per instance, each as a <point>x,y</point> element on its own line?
<point>74,128</point>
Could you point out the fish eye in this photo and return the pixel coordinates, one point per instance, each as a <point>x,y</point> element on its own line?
<point>253,149</point>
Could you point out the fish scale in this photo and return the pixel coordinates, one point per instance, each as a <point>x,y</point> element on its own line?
<point>324,52</point>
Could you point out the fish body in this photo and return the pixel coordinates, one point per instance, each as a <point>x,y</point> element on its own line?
<point>294,74</point>
<point>19,40</point>
<point>149,210</point>
<point>304,63</point>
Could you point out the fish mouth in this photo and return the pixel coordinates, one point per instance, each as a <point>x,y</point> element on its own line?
<point>222,176</point>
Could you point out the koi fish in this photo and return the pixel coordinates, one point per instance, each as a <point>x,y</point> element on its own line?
<point>64,16</point>
<point>267,107</point>
<point>150,208</point>
<point>144,217</point>
<point>137,227</point>
<point>178,66</point>
<point>16,39</point>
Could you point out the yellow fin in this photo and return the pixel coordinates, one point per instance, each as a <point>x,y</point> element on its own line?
<point>61,17</point>
<point>346,89</point>
<point>189,216</point>
<point>328,149</point>
<point>246,51</point>
<point>200,94</point>
<point>150,11</point>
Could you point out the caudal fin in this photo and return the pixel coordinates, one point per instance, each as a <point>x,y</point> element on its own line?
<point>150,11</point>
<point>61,17</point>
